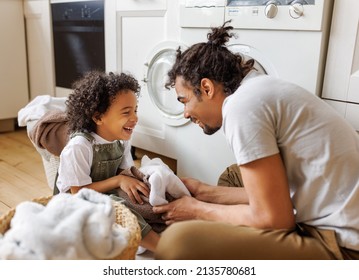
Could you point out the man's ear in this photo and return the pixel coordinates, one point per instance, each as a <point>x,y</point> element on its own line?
<point>208,87</point>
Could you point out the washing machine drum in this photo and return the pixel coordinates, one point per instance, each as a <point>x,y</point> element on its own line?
<point>160,61</point>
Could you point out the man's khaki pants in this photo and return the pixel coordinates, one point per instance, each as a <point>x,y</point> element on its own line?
<point>203,240</point>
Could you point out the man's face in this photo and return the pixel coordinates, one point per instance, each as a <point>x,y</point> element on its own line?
<point>202,111</point>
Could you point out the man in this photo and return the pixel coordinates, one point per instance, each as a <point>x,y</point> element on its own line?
<point>298,161</point>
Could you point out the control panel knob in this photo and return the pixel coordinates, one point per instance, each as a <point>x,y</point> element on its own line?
<point>271,9</point>
<point>67,13</point>
<point>296,10</point>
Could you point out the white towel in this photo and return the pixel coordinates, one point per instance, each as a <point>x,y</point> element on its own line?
<point>79,226</point>
<point>38,107</point>
<point>162,180</point>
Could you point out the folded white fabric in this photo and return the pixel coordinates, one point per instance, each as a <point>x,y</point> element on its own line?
<point>162,180</point>
<point>80,226</point>
<point>38,107</point>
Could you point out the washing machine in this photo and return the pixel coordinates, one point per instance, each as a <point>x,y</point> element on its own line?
<point>287,39</point>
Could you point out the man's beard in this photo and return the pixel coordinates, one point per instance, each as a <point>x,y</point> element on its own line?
<point>210,130</point>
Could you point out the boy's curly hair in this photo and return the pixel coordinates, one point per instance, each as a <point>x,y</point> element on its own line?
<point>93,94</point>
<point>210,60</point>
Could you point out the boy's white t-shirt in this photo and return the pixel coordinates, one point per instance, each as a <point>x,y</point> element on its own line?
<point>76,160</point>
<point>320,150</point>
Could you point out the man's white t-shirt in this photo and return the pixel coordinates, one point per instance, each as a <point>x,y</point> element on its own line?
<point>76,160</point>
<point>320,150</point>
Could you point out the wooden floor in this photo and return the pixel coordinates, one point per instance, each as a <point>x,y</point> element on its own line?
<point>22,175</point>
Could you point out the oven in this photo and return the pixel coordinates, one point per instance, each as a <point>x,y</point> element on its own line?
<point>78,39</point>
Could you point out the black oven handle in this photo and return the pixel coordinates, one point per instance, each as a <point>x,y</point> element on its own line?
<point>78,29</point>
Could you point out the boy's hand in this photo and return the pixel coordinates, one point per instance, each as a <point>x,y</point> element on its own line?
<point>133,188</point>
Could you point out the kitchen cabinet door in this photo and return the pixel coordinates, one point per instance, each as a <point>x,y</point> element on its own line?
<point>341,80</point>
<point>39,47</point>
<point>13,65</point>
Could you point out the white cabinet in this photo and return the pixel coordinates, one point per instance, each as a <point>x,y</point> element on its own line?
<point>39,47</point>
<point>341,80</point>
<point>13,67</point>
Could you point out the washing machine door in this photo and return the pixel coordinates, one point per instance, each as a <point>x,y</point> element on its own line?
<point>262,63</point>
<point>158,63</point>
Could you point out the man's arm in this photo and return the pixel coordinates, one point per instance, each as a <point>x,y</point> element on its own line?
<point>266,187</point>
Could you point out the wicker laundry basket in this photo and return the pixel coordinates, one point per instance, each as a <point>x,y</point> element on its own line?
<point>124,217</point>
<point>51,165</point>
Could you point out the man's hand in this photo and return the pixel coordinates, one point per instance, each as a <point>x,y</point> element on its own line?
<point>182,209</point>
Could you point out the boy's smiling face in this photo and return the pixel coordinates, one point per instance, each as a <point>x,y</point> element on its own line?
<point>118,122</point>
